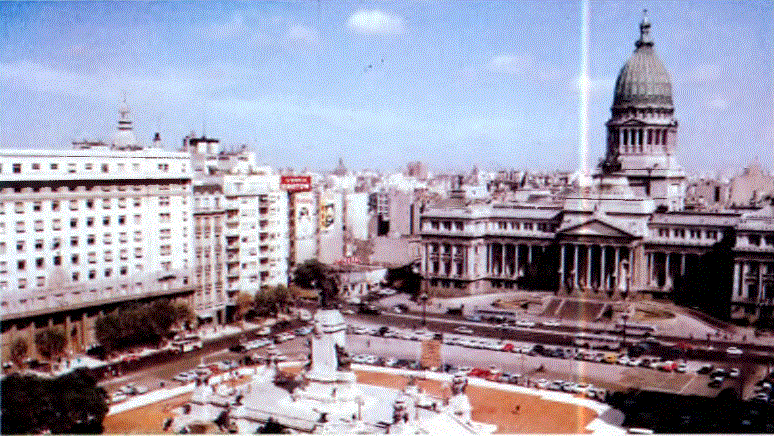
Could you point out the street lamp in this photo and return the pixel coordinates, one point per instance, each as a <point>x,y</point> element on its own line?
<point>624,317</point>
<point>424,298</point>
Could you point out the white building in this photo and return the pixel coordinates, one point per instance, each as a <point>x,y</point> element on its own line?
<point>83,229</point>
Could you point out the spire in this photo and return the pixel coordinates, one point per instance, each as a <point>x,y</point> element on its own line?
<point>644,31</point>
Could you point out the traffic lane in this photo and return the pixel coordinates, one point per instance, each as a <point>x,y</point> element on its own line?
<point>610,376</point>
<point>542,336</point>
<point>759,353</point>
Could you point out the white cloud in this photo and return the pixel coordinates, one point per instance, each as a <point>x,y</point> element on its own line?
<point>303,35</point>
<point>718,103</point>
<point>510,63</point>
<point>376,22</point>
<point>234,27</point>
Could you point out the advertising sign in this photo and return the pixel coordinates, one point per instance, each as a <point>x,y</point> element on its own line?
<point>296,183</point>
<point>431,354</point>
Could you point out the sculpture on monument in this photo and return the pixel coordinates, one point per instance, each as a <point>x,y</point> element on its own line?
<point>343,359</point>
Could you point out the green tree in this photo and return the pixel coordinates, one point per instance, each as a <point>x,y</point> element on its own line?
<point>51,342</point>
<point>310,274</point>
<point>71,403</point>
<point>244,302</point>
<point>184,314</point>
<point>19,349</point>
<point>108,332</point>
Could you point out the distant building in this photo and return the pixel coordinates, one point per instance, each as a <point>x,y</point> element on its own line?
<point>751,186</point>
<point>625,235</point>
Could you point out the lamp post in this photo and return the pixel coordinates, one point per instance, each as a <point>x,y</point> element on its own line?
<point>624,317</point>
<point>424,298</point>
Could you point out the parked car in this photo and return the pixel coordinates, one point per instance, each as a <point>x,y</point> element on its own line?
<point>705,369</point>
<point>551,323</point>
<point>118,397</point>
<point>733,351</point>
<point>463,329</point>
<point>733,373</point>
<point>525,323</point>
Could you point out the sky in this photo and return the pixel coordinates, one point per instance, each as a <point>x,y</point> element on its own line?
<point>379,84</point>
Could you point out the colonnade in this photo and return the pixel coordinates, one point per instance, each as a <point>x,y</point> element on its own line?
<point>507,260</point>
<point>599,267</point>
<point>753,280</point>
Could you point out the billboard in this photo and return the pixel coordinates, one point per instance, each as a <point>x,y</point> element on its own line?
<point>296,183</point>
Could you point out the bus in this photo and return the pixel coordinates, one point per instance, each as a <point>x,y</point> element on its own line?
<point>186,344</point>
<point>596,341</point>
<point>635,329</point>
<point>496,315</point>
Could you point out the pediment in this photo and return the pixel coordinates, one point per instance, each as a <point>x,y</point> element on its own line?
<point>596,227</point>
<point>633,123</point>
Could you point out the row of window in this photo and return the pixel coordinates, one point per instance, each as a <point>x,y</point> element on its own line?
<point>756,239</point>
<point>89,204</point>
<point>82,188</point>
<point>498,225</point>
<point>56,224</point>
<point>666,232</point>
<point>74,167</point>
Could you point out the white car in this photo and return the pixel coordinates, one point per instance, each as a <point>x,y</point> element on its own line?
<point>551,323</point>
<point>353,300</point>
<point>348,312</point>
<point>263,331</point>
<point>525,323</point>
<point>360,358</point>
<point>733,373</point>
<point>388,292</point>
<point>284,337</point>
<point>734,351</point>
<point>463,329</point>
<point>118,397</point>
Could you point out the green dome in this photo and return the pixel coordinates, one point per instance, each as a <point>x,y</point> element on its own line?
<point>643,80</point>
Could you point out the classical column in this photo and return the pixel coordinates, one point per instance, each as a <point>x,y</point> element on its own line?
<point>682,264</point>
<point>760,281</point>
<point>616,267</point>
<point>502,261</point>
<point>588,266</point>
<point>529,254</point>
<point>735,291</point>
<point>561,267</point>
<point>489,259</point>
<point>516,260</point>
<point>575,267</point>
<point>743,280</point>
<point>667,273</point>
<point>602,278</point>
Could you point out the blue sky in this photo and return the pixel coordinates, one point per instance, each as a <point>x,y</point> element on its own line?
<point>380,84</point>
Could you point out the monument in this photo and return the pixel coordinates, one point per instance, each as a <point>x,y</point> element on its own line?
<point>326,398</point>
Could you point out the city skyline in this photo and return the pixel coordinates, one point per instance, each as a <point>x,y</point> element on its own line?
<point>491,84</point>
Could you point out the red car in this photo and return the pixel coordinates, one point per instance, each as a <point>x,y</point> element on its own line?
<point>480,372</point>
<point>508,347</point>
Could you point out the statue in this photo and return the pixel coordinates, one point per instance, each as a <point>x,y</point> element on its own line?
<point>343,360</point>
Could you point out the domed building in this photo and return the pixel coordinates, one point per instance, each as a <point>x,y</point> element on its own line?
<point>642,130</point>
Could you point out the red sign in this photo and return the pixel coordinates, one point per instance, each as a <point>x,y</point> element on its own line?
<point>296,183</point>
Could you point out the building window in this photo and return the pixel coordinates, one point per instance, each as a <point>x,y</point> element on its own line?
<point>39,263</point>
<point>39,225</point>
<point>92,274</point>
<point>19,207</point>
<point>74,241</point>
<point>17,168</point>
<point>754,240</point>
<point>90,204</point>
<point>38,244</point>
<point>37,206</point>
<point>57,260</point>
<point>21,265</point>
<point>105,168</point>
<point>90,221</point>
<point>75,276</point>
<point>106,221</point>
<point>54,166</point>
<point>55,206</point>
<point>55,243</point>
<point>73,204</point>
<point>73,223</point>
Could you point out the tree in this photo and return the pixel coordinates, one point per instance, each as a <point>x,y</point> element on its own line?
<point>51,342</point>
<point>184,314</point>
<point>310,274</point>
<point>71,403</point>
<point>19,349</point>
<point>404,279</point>
<point>244,303</point>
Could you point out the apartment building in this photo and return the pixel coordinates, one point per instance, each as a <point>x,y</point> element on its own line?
<point>84,230</point>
